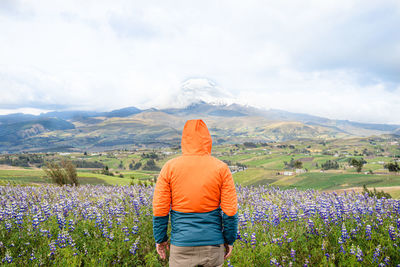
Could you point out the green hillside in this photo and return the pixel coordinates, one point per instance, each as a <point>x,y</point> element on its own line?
<point>252,164</point>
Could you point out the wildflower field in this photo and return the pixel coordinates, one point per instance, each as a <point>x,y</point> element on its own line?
<point>112,225</point>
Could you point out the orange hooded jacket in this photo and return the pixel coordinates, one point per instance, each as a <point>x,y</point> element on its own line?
<point>195,187</point>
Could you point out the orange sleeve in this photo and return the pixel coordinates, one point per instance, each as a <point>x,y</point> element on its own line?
<point>162,194</point>
<point>228,192</point>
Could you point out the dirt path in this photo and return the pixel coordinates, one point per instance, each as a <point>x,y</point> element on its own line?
<point>387,189</point>
<point>8,167</point>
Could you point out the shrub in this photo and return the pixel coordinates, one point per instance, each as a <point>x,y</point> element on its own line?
<point>62,173</point>
<point>375,193</point>
<point>151,166</point>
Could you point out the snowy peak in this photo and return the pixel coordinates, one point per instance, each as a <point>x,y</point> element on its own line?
<point>201,90</point>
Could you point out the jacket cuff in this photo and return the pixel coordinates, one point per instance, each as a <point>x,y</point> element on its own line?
<point>230,228</point>
<point>160,226</point>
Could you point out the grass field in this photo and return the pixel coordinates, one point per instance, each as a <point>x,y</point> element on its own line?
<point>265,165</point>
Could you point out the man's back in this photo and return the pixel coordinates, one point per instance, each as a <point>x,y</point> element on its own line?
<point>194,188</point>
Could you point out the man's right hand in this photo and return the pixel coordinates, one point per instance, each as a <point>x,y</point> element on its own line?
<point>161,249</point>
<point>228,251</point>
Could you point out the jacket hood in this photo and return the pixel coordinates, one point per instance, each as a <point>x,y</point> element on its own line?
<point>196,138</point>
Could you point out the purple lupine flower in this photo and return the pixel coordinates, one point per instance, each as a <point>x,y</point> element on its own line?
<point>323,246</point>
<point>293,215</point>
<point>134,247</point>
<point>327,256</point>
<point>61,220</point>
<point>378,206</point>
<point>86,232</point>
<point>377,254</point>
<point>273,261</point>
<point>368,231</point>
<point>32,258</point>
<point>71,223</point>
<point>253,240</point>
<point>111,236</point>
<point>352,249</point>
<point>62,239</point>
<point>379,219</point>
<point>293,254</point>
<point>53,248</point>
<point>104,232</point>
<point>359,254</point>
<point>344,233</point>
<point>135,230</point>
<point>342,250</point>
<point>386,260</point>
<point>7,257</point>
<point>392,233</point>
<point>8,226</point>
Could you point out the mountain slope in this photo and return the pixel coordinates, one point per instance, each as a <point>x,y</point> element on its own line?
<point>122,128</point>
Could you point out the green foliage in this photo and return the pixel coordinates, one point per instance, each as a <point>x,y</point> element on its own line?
<point>62,173</point>
<point>137,166</point>
<point>392,167</point>
<point>121,165</point>
<point>22,160</point>
<point>330,164</point>
<point>131,165</point>
<point>106,171</point>
<point>250,144</point>
<point>87,164</point>
<point>377,194</point>
<point>151,155</point>
<point>358,163</point>
<point>293,164</point>
<point>151,166</point>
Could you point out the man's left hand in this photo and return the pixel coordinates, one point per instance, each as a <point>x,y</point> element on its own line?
<point>161,249</point>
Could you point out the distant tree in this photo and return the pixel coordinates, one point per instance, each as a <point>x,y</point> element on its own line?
<point>85,153</point>
<point>151,166</point>
<point>106,171</point>
<point>330,164</point>
<point>228,162</point>
<point>151,155</point>
<point>392,167</point>
<point>249,144</point>
<point>87,164</point>
<point>298,164</point>
<point>241,165</point>
<point>137,166</point>
<point>131,165</point>
<point>358,163</point>
<point>63,173</point>
<point>133,179</point>
<point>293,164</point>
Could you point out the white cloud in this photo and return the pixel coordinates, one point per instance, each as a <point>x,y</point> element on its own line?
<point>327,58</point>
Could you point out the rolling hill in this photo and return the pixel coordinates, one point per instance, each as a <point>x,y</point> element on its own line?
<point>127,127</point>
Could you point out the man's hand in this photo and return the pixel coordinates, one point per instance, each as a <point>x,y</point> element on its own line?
<point>228,251</point>
<point>161,249</point>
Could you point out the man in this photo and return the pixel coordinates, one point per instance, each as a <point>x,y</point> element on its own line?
<point>198,191</point>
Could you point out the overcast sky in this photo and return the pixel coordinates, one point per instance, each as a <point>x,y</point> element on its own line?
<point>338,59</point>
